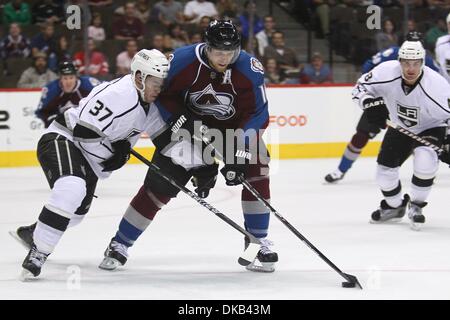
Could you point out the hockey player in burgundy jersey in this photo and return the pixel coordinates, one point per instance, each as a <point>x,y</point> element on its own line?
<point>222,86</point>
<point>63,93</point>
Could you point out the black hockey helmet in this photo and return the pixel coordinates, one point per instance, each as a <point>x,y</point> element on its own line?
<point>67,68</point>
<point>414,36</point>
<point>222,35</point>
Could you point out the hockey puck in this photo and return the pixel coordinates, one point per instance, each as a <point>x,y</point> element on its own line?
<point>346,284</point>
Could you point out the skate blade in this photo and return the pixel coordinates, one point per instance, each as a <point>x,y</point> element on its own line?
<point>18,239</point>
<point>388,221</point>
<point>264,267</point>
<point>416,226</point>
<point>109,264</point>
<point>26,276</point>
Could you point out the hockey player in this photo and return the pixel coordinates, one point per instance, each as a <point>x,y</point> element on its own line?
<point>416,98</point>
<point>63,93</point>
<point>364,130</point>
<point>442,51</point>
<point>89,142</point>
<point>223,87</point>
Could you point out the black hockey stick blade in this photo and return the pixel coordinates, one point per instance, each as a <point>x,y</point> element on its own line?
<point>352,281</point>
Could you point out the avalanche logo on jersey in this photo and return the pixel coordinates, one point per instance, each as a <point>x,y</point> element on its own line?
<point>256,66</point>
<point>210,102</point>
<point>409,116</point>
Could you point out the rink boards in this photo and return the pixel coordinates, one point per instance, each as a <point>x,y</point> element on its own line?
<point>305,122</point>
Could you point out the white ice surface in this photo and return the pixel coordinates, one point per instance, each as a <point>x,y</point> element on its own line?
<point>189,253</point>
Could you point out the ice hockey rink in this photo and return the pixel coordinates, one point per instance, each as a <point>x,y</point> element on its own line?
<point>189,253</point>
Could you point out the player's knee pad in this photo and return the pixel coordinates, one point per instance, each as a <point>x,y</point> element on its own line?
<point>387,178</point>
<point>68,193</point>
<point>426,163</point>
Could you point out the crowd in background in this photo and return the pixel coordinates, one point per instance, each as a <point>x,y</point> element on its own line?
<point>34,37</point>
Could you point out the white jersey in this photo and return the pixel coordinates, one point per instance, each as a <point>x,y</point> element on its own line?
<point>425,106</point>
<point>111,112</point>
<point>442,51</point>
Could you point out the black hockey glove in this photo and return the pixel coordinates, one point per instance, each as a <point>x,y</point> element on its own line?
<point>238,168</point>
<point>377,112</point>
<point>120,156</point>
<point>204,178</point>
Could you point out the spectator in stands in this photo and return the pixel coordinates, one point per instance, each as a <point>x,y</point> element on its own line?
<point>128,27</point>
<point>196,38</point>
<point>322,9</point>
<point>167,43</point>
<point>244,21</point>
<point>178,36</point>
<point>285,57</point>
<point>201,26</point>
<point>44,41</point>
<point>98,64</point>
<point>386,38</point>
<point>60,54</point>
<point>316,72</point>
<point>47,11</point>
<point>196,9</point>
<point>438,30</point>
<point>123,59</point>
<point>264,37</point>
<point>96,30</point>
<point>272,73</point>
<point>227,9</point>
<point>169,12</point>
<point>14,45</point>
<point>158,42</point>
<point>17,11</point>
<point>411,26</point>
<point>38,75</point>
<point>142,11</point>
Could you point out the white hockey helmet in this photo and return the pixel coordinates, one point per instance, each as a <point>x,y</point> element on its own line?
<point>411,50</point>
<point>148,63</point>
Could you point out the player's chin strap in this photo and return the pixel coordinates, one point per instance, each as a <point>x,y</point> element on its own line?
<point>250,253</point>
<point>413,136</point>
<point>351,282</point>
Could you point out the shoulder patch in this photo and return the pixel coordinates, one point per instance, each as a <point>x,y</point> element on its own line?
<point>256,66</point>
<point>94,82</point>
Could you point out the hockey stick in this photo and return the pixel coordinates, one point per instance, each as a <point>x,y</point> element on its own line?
<point>351,282</point>
<point>413,136</point>
<point>351,279</point>
<point>249,254</point>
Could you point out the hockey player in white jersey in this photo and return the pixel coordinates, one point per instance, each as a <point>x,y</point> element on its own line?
<point>416,98</point>
<point>87,143</point>
<point>442,51</point>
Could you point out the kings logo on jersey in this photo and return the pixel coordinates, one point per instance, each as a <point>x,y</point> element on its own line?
<point>210,102</point>
<point>409,116</point>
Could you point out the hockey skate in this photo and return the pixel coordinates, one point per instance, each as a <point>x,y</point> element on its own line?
<point>387,213</point>
<point>416,218</point>
<point>24,235</point>
<point>266,258</point>
<point>116,255</point>
<point>334,176</point>
<point>33,263</point>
